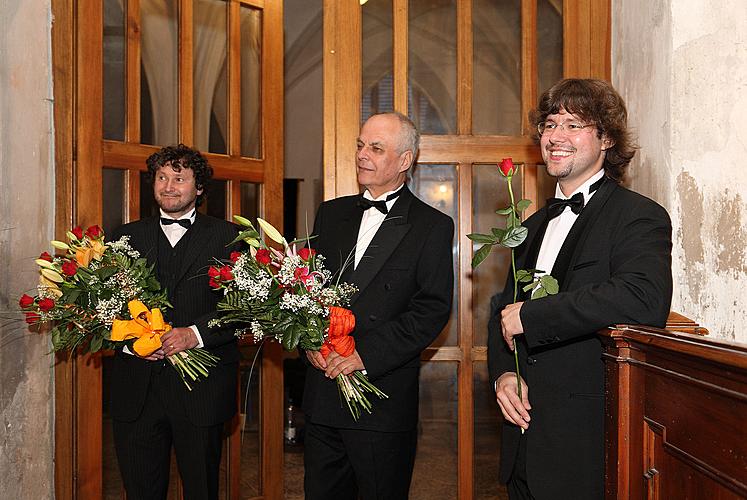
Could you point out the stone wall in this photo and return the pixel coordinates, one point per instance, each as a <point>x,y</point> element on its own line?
<point>26,226</point>
<point>681,67</point>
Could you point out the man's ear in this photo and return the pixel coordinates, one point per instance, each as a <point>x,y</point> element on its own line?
<point>607,143</point>
<point>405,161</point>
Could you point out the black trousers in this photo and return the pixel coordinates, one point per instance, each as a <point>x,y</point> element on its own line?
<point>345,464</point>
<point>517,486</point>
<point>144,450</point>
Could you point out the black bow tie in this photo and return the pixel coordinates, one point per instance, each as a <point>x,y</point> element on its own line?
<point>379,205</point>
<point>185,223</point>
<point>555,206</point>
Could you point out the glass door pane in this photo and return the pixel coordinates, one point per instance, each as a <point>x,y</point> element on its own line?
<point>251,80</point>
<point>210,36</point>
<point>377,92</point>
<point>496,101</point>
<point>114,70</point>
<point>549,43</point>
<point>432,62</point>
<point>159,92</point>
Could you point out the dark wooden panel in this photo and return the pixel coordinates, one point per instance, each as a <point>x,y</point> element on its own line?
<point>676,414</point>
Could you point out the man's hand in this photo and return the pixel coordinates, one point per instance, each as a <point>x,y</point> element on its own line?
<point>514,410</point>
<point>346,365</point>
<point>177,340</point>
<point>511,323</point>
<point>317,360</point>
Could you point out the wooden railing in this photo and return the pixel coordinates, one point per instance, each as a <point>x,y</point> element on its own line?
<point>676,413</point>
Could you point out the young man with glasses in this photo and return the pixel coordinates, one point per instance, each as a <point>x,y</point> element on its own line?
<point>610,250</point>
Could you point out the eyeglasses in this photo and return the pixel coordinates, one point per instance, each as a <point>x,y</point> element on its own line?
<point>570,128</point>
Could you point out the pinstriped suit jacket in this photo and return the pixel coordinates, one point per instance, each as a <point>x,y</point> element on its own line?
<point>212,400</point>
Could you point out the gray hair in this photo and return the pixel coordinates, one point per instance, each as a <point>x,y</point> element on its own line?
<point>409,137</point>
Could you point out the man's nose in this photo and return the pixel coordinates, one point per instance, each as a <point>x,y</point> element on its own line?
<point>557,134</point>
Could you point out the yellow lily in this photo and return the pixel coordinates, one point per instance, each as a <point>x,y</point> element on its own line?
<point>147,326</point>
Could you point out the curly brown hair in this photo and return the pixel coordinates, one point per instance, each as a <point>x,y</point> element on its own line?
<point>179,157</point>
<point>597,102</point>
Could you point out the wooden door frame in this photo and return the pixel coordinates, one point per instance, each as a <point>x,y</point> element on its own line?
<point>586,54</point>
<point>79,156</point>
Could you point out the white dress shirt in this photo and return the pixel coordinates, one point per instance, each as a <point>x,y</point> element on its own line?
<point>370,223</point>
<point>559,227</point>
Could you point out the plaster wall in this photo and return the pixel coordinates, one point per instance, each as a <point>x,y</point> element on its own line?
<point>26,226</point>
<point>681,67</point>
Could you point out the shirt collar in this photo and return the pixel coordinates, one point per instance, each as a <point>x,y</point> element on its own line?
<point>190,215</point>
<point>583,188</point>
<point>367,194</point>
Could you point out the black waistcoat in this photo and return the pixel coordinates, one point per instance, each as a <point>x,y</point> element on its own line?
<point>170,260</point>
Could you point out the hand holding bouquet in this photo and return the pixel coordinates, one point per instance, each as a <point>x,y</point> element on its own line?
<point>98,295</point>
<point>290,297</point>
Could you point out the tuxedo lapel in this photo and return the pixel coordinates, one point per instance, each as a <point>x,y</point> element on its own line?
<point>580,231</point>
<point>197,231</point>
<point>151,228</point>
<point>346,240</point>
<point>385,241</point>
<point>533,244</point>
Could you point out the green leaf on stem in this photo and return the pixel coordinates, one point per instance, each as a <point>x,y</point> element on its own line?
<point>291,337</point>
<point>482,238</point>
<point>480,255</point>
<point>550,284</point>
<point>498,233</point>
<point>514,237</point>
<point>522,205</point>
<point>505,211</point>
<point>524,276</point>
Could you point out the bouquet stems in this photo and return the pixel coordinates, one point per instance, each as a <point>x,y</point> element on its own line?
<point>193,364</point>
<point>352,389</point>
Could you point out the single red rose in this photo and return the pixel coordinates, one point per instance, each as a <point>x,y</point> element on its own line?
<point>225,273</point>
<point>25,301</point>
<point>213,272</point>
<point>69,268</point>
<point>507,166</point>
<point>32,318</point>
<point>46,305</point>
<point>235,256</point>
<point>78,232</point>
<point>46,256</point>
<point>306,253</point>
<point>94,232</point>
<point>213,283</point>
<point>263,256</point>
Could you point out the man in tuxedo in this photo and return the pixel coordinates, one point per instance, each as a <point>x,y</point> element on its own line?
<point>400,258</point>
<point>610,250</point>
<point>151,407</point>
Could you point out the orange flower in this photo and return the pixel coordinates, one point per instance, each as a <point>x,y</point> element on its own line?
<point>83,256</point>
<point>341,324</point>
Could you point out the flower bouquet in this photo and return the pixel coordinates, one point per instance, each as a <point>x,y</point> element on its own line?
<point>290,297</point>
<point>98,295</point>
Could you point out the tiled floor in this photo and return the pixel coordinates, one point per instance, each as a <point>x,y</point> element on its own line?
<point>435,475</point>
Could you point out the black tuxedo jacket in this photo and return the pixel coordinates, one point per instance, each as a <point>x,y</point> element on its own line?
<point>405,285</point>
<point>213,399</point>
<point>614,267</point>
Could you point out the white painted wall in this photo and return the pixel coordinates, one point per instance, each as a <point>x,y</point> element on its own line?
<point>26,226</point>
<point>681,65</point>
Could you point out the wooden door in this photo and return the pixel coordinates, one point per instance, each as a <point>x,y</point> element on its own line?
<point>467,73</point>
<point>131,76</point>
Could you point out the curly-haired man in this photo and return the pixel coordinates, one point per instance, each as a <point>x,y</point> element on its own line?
<point>610,250</point>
